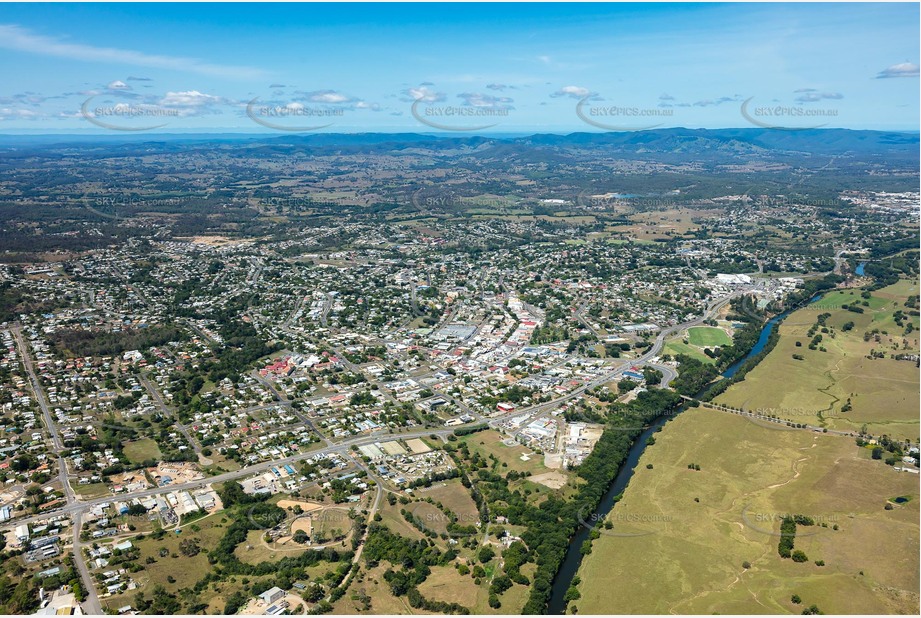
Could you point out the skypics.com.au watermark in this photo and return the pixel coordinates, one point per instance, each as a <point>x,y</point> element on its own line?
<point>616,117</point>
<point>451,201</point>
<point>117,117</point>
<point>786,117</point>
<point>755,198</point>
<point>109,205</point>
<point>624,524</point>
<point>768,522</point>
<point>287,117</point>
<point>439,116</point>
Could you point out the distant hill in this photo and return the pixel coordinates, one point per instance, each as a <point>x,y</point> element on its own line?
<point>853,153</point>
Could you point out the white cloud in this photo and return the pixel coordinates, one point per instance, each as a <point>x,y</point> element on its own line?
<point>8,113</point>
<point>425,94</point>
<point>328,96</point>
<point>712,102</point>
<point>476,99</point>
<point>21,39</point>
<point>189,98</point>
<point>811,95</point>
<point>904,69</point>
<point>575,92</point>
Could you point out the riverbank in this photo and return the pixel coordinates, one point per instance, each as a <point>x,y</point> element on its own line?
<point>706,499</point>
<point>734,372</point>
<point>681,537</point>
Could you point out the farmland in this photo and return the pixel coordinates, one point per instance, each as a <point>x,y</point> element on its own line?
<point>838,384</point>
<point>706,526</point>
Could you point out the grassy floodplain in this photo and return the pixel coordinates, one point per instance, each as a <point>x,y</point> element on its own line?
<point>883,392</point>
<point>693,530</point>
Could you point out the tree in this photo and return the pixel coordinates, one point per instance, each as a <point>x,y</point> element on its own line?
<point>136,510</point>
<point>486,554</point>
<point>189,547</point>
<point>652,376</point>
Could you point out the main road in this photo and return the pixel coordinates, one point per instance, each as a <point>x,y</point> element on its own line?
<point>76,508</point>
<point>91,604</point>
<point>669,374</point>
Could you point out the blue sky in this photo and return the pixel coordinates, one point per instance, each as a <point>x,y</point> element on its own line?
<point>475,67</point>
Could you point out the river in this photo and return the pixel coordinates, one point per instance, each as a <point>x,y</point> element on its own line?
<point>573,558</point>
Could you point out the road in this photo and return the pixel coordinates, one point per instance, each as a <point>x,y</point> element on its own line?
<point>164,409</point>
<point>76,508</point>
<point>580,315</point>
<point>327,307</point>
<point>37,388</point>
<point>342,447</point>
<point>91,605</point>
<point>711,310</point>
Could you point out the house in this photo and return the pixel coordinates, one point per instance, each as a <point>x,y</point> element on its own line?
<point>272,594</point>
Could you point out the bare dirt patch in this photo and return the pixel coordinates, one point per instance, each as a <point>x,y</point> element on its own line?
<point>553,480</point>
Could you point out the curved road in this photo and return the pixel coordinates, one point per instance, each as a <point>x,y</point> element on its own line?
<point>76,507</point>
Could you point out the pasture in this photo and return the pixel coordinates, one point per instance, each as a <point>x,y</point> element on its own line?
<point>454,496</point>
<point>883,392</point>
<point>703,525</point>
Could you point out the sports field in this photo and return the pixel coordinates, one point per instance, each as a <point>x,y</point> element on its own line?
<point>676,347</point>
<point>681,538</point>
<point>708,337</point>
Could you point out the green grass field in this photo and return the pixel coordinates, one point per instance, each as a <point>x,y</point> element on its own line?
<point>393,519</point>
<point>142,450</point>
<point>685,534</point>
<point>883,391</point>
<point>183,570</point>
<point>708,337</point>
<point>93,490</point>
<point>430,517</point>
<point>490,443</point>
<point>371,582</point>
<point>453,495</point>
<point>676,347</point>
